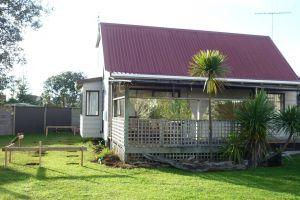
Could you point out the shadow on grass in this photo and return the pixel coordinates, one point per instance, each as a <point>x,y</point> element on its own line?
<point>7,176</point>
<point>12,193</point>
<point>41,175</point>
<point>285,179</point>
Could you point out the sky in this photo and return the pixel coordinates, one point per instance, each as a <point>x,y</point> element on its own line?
<point>68,36</point>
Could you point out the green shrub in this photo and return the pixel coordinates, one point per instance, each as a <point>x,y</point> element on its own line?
<point>98,147</point>
<point>234,148</point>
<point>104,153</point>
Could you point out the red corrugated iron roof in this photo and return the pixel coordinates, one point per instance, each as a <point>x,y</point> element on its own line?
<point>167,51</point>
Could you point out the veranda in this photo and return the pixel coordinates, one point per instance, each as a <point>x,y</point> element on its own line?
<point>136,131</point>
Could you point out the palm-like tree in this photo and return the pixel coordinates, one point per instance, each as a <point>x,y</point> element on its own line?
<point>288,121</point>
<point>255,116</point>
<point>209,64</point>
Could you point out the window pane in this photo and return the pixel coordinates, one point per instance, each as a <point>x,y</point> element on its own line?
<point>276,100</point>
<point>119,107</point>
<point>153,93</point>
<point>92,103</point>
<point>162,94</point>
<point>144,93</point>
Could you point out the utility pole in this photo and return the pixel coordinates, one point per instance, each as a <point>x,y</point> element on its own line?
<point>272,15</point>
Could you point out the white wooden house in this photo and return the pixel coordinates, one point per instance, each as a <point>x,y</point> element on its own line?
<point>150,63</point>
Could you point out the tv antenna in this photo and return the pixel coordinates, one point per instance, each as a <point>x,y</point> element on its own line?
<point>272,16</point>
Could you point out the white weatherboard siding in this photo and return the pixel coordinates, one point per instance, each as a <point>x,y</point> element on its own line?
<point>107,101</point>
<point>91,126</point>
<point>106,113</point>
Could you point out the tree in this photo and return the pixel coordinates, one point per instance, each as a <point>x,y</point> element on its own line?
<point>173,109</point>
<point>288,121</point>
<point>61,90</point>
<point>209,64</point>
<point>143,108</point>
<point>226,110</point>
<point>255,117</point>
<point>15,17</point>
<point>22,94</point>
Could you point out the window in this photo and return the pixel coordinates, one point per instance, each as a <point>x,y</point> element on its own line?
<point>144,93</point>
<point>277,100</point>
<point>119,107</point>
<point>92,103</point>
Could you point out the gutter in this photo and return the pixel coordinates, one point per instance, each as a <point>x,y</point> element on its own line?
<point>166,77</point>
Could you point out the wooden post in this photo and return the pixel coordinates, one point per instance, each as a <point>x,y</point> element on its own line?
<point>161,132</point>
<point>81,161</point>
<point>5,158</point>
<point>198,110</point>
<point>126,121</point>
<point>46,131</point>
<point>45,119</point>
<point>14,121</point>
<point>40,153</point>
<point>9,158</point>
<point>74,131</point>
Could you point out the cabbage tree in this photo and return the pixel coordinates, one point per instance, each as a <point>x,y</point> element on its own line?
<point>288,121</point>
<point>209,64</point>
<point>255,117</point>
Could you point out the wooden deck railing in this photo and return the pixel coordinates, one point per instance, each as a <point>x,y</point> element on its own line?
<point>179,133</point>
<point>117,130</point>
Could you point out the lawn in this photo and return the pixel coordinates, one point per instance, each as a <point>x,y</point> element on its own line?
<point>61,178</point>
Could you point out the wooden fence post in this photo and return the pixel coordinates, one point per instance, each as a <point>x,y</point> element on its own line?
<point>40,153</point>
<point>9,159</point>
<point>5,158</point>
<point>45,119</point>
<point>81,162</point>
<point>14,121</point>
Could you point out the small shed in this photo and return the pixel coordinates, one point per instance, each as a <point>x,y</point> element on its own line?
<point>91,117</point>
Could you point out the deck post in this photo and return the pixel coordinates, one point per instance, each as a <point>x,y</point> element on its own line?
<point>126,121</point>
<point>40,153</point>
<point>161,133</point>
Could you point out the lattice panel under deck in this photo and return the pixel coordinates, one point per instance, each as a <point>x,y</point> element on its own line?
<point>132,157</point>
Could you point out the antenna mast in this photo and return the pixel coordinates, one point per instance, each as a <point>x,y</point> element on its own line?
<point>272,15</point>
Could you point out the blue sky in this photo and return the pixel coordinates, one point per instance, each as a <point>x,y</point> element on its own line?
<point>67,39</point>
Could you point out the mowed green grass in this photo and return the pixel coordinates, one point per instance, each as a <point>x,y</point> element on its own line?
<point>60,178</point>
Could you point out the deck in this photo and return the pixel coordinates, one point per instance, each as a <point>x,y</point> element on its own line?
<point>177,139</point>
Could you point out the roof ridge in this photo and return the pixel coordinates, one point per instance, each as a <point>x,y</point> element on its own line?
<point>181,29</point>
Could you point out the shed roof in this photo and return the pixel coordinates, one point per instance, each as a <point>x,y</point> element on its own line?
<point>167,51</point>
